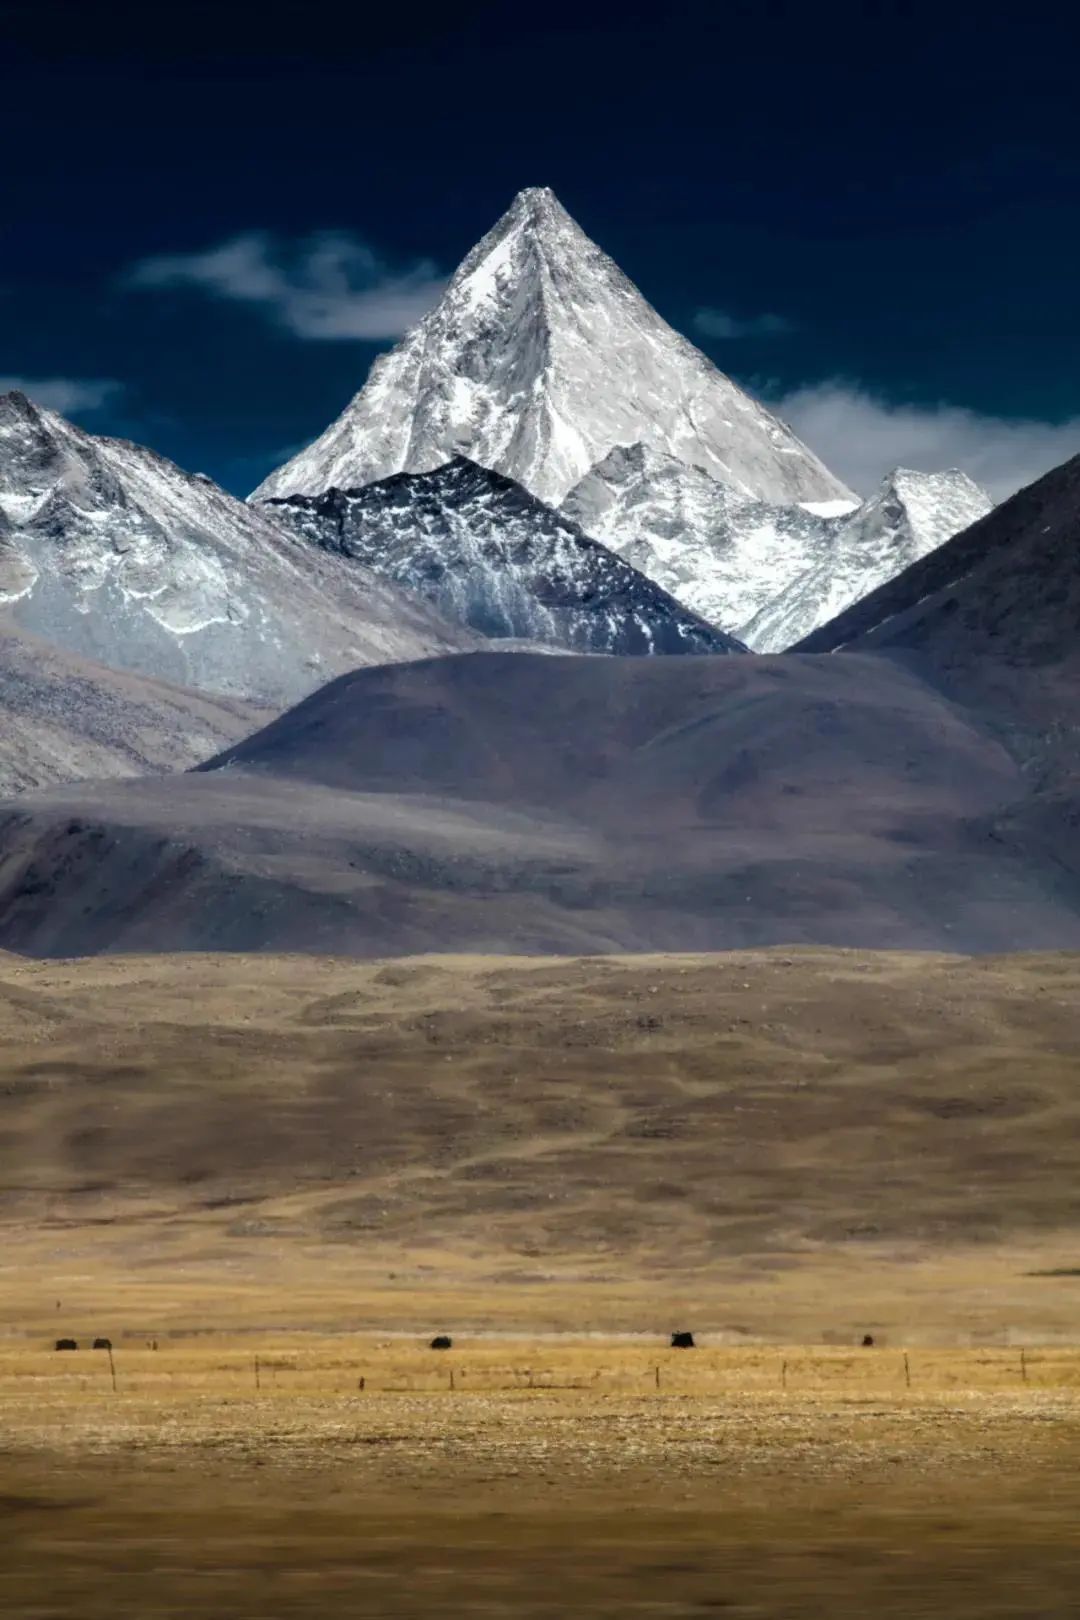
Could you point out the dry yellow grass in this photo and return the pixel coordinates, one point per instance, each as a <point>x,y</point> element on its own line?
<point>320,1164</point>
<point>780,1145</point>
<point>281,1370</point>
<point>553,1479</point>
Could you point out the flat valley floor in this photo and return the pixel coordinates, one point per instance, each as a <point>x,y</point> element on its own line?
<point>566,1483</point>
<point>287,1174</point>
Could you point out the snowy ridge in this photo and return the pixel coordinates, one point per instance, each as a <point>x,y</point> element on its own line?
<point>769,573</point>
<point>540,359</point>
<point>113,553</point>
<point>911,515</point>
<point>492,557</point>
<point>722,555</point>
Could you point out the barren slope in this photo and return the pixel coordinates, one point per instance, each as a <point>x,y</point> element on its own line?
<point>64,718</point>
<point>790,1143</point>
<point>993,619</point>
<point>512,802</point>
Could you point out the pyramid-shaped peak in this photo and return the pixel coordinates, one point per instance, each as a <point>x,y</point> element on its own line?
<point>536,223</point>
<point>540,358</point>
<point>537,207</point>
<point>949,490</point>
<point>537,200</point>
<point>911,476</point>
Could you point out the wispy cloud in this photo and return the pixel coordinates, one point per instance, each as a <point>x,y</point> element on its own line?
<point>66,394</point>
<point>861,437</point>
<point>717,323</point>
<point>330,287</point>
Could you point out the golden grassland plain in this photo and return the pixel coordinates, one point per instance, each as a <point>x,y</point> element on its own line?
<point>783,1145</point>
<point>539,1480</point>
<point>289,1174</point>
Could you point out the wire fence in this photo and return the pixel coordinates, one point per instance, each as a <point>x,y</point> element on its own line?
<point>696,1372</point>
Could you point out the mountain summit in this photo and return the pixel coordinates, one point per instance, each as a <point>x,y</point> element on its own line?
<point>539,359</point>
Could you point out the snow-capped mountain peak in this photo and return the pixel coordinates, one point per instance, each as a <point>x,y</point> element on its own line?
<point>722,554</point>
<point>911,514</point>
<point>114,553</point>
<point>928,508</point>
<point>767,572</point>
<point>540,359</point>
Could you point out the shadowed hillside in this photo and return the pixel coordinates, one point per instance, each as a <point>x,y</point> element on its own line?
<point>513,802</point>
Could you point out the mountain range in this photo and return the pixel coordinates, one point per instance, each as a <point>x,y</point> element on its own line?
<point>494,802</point>
<point>770,572</point>
<point>543,363</point>
<point>542,458</point>
<point>387,765</point>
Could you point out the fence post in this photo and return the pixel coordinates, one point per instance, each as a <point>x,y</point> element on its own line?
<point>783,1375</point>
<point>258,1384</point>
<point>112,1369</point>
<point>907,1370</point>
<point>451,1378</point>
<point>1023,1366</point>
<point>658,1377</point>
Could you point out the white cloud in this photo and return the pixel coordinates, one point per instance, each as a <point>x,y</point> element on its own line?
<point>717,323</point>
<point>861,437</point>
<point>65,394</point>
<point>329,287</point>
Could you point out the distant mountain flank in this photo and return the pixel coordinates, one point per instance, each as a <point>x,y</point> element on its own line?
<point>113,553</point>
<point>491,556</point>
<point>65,719</point>
<point>909,516</point>
<point>1006,590</point>
<point>993,618</point>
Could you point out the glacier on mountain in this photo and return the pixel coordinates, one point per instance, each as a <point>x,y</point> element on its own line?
<point>540,358</point>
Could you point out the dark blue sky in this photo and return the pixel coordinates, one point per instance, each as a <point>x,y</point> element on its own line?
<point>898,182</point>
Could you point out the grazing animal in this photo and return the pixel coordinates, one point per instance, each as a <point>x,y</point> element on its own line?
<point>442,1341</point>
<point>102,1344</point>
<point>868,1341</point>
<point>682,1341</point>
<point>66,1344</point>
